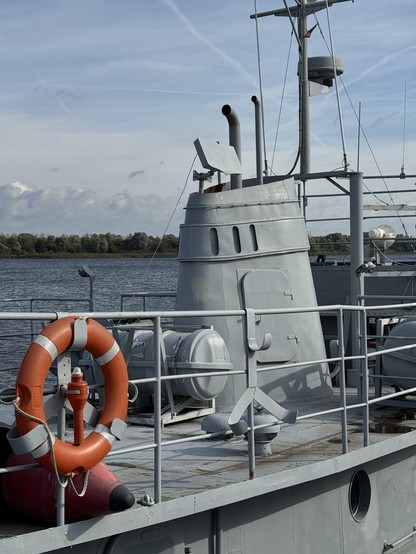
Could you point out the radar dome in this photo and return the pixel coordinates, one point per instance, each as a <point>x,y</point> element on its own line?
<point>383,236</point>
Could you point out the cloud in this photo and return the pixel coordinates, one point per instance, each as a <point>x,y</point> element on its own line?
<point>135,173</point>
<point>70,210</point>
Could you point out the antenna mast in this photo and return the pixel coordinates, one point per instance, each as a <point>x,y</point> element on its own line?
<point>301,10</point>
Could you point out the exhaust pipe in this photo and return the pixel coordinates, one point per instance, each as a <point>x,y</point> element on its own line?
<point>259,139</point>
<point>235,140</point>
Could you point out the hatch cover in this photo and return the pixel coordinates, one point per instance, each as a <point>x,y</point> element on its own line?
<point>270,288</point>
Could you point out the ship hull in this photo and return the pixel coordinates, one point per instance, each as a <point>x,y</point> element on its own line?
<point>305,509</point>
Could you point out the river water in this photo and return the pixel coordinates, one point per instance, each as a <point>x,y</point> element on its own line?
<point>48,280</point>
<point>45,278</point>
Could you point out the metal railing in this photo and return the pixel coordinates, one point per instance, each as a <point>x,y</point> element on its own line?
<point>358,363</point>
<point>142,297</point>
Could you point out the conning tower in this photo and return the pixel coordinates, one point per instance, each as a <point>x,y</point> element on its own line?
<point>242,246</point>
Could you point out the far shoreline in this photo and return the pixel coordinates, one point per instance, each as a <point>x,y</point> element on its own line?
<point>84,255</point>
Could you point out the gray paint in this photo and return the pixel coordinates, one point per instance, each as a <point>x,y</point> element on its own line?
<point>259,260</point>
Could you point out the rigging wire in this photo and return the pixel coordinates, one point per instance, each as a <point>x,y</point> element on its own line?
<point>331,51</point>
<point>358,117</point>
<point>281,108</point>
<point>294,30</point>
<point>378,167</point>
<point>260,85</point>
<point>170,219</point>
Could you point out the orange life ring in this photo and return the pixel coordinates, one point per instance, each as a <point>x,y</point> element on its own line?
<point>58,337</point>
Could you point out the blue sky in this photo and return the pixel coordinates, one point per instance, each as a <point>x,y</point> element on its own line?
<point>101,101</point>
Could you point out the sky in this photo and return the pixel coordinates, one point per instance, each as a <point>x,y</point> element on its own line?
<point>101,101</point>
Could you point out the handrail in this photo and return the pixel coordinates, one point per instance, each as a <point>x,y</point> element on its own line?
<point>157,317</point>
<point>144,295</point>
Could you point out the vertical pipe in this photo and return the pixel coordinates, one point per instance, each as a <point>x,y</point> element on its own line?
<point>356,235</point>
<point>259,139</point>
<point>304,117</point>
<point>357,259</point>
<point>342,388</point>
<point>251,442</point>
<point>235,140</point>
<point>157,414</point>
<point>364,377</point>
<point>218,524</point>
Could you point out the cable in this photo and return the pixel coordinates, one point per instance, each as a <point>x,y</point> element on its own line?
<point>260,83</point>
<point>362,131</point>
<point>170,219</point>
<point>281,107</point>
<point>378,167</point>
<point>330,48</point>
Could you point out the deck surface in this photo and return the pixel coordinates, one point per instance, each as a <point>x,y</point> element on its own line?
<point>201,465</point>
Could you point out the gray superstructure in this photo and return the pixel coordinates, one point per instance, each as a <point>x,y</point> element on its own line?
<point>248,248</point>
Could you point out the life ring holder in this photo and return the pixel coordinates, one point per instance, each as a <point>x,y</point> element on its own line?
<point>34,436</point>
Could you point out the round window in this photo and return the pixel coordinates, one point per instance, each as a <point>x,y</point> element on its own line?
<point>359,495</point>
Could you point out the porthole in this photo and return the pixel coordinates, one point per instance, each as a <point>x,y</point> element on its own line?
<point>215,247</point>
<point>253,236</point>
<point>359,495</point>
<point>236,240</point>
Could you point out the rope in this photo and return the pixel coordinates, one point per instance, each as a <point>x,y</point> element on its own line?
<point>66,480</point>
<point>7,402</point>
<point>84,486</point>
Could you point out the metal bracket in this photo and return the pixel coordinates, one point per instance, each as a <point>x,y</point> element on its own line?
<point>251,333</point>
<point>80,334</point>
<point>35,441</point>
<point>239,427</point>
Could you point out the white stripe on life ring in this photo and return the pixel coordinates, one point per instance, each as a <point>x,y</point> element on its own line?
<point>109,355</point>
<point>48,345</point>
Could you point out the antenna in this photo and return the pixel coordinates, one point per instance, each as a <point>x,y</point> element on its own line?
<point>402,171</point>
<point>218,157</point>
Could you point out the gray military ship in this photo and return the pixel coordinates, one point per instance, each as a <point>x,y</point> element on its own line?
<point>233,423</point>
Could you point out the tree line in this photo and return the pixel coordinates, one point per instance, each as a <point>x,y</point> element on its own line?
<point>141,244</point>
<point>338,244</point>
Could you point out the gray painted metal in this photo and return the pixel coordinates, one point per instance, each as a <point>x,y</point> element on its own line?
<point>246,248</point>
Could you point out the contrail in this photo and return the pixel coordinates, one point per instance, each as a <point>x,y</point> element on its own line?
<point>62,104</point>
<point>141,89</point>
<point>193,31</point>
<point>380,63</point>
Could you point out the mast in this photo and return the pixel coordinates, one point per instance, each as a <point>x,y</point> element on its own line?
<point>304,115</point>
<point>301,12</point>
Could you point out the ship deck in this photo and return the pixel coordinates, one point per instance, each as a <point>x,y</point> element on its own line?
<point>190,468</point>
<point>200,465</point>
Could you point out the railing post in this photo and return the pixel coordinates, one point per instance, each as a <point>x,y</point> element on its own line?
<point>157,409</point>
<point>356,271</point>
<point>63,370</point>
<point>342,391</point>
<point>363,365</point>
<point>251,369</point>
